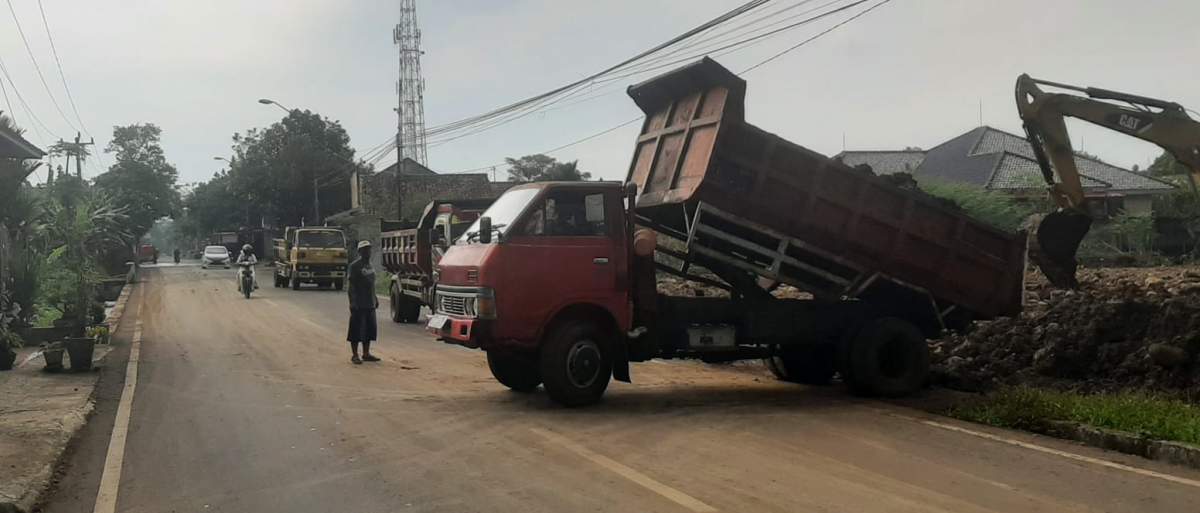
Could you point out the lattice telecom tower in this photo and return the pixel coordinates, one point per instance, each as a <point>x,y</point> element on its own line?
<point>410,114</point>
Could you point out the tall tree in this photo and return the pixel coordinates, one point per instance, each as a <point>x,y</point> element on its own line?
<point>296,169</point>
<point>141,181</point>
<point>211,207</point>
<point>544,168</point>
<point>1166,165</point>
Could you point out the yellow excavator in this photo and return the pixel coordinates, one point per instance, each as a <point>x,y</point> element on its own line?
<point>1043,114</point>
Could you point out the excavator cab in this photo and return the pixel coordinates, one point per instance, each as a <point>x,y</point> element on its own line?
<point>1055,240</point>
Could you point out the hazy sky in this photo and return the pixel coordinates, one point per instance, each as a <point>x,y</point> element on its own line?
<point>912,72</point>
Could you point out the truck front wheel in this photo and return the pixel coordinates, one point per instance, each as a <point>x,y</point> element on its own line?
<point>514,370</point>
<point>889,357</point>
<point>575,363</point>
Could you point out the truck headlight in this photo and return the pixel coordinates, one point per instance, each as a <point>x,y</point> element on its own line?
<point>484,305</point>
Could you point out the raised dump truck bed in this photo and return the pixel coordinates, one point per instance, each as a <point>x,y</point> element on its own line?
<point>744,198</point>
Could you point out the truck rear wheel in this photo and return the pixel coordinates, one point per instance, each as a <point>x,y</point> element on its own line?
<point>889,357</point>
<point>514,370</point>
<point>339,284</point>
<point>575,363</point>
<point>809,365</point>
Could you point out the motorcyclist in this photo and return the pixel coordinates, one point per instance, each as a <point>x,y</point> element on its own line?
<point>247,255</point>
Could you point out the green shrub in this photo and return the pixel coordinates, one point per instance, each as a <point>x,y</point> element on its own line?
<point>1034,409</point>
<point>995,208</point>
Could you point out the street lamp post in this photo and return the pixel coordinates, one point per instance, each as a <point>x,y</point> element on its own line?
<point>266,101</point>
<point>316,186</point>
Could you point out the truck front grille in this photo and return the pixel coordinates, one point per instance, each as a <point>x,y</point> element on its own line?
<point>453,305</point>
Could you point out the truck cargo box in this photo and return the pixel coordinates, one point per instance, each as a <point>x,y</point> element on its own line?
<point>748,198</point>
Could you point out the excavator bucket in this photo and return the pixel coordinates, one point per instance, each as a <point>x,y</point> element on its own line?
<point>1054,242</point>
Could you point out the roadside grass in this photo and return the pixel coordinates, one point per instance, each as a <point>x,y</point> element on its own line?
<point>1033,409</point>
<point>383,282</point>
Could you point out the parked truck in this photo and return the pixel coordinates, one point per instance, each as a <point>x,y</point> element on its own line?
<point>411,253</point>
<point>557,281</point>
<point>227,239</point>
<point>310,255</point>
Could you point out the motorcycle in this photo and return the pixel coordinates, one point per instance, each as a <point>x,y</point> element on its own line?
<point>245,278</point>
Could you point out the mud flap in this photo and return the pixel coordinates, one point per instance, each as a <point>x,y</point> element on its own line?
<point>620,363</point>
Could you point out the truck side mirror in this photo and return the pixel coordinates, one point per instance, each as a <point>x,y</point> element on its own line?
<point>438,238</point>
<point>485,230</point>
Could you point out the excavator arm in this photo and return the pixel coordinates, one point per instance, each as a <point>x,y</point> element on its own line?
<point>1043,115</point>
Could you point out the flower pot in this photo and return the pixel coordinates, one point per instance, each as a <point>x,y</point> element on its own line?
<point>54,358</point>
<point>7,358</point>
<point>80,350</point>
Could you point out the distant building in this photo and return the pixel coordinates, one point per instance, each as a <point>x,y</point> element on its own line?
<point>402,196</point>
<point>999,161</point>
<point>13,146</point>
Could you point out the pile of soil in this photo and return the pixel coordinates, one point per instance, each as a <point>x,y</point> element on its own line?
<point>1123,329</point>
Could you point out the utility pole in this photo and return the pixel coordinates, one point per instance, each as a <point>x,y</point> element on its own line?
<point>316,202</point>
<point>76,149</point>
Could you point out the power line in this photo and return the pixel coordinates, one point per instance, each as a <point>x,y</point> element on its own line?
<point>4,92</point>
<point>809,40</point>
<point>21,100</point>
<point>484,124</point>
<point>751,68</point>
<point>36,67</point>
<point>534,100</point>
<point>61,74</point>
<point>557,148</point>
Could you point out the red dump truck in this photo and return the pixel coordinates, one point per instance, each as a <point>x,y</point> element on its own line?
<point>410,253</point>
<point>557,281</point>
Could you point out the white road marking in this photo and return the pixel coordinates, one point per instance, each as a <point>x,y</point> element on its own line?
<point>110,480</point>
<point>1056,452</point>
<point>626,472</point>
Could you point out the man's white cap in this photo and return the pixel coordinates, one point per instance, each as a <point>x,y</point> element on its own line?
<point>364,244</point>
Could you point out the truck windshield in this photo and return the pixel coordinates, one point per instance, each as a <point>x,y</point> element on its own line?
<point>503,212</point>
<point>321,239</point>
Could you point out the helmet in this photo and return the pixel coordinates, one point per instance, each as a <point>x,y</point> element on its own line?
<point>247,248</point>
<point>364,244</point>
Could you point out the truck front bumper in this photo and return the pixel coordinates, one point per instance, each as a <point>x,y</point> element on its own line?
<point>471,333</point>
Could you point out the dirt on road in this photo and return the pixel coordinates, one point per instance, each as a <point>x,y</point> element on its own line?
<point>253,405</point>
<point>1125,328</point>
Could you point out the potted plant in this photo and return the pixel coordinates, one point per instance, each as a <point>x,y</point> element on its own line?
<point>9,340</point>
<point>99,333</point>
<point>80,350</point>
<point>82,230</point>
<point>52,352</point>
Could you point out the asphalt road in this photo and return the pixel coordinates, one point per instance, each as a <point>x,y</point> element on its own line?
<point>253,405</point>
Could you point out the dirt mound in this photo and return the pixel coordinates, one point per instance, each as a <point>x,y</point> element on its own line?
<point>1124,328</point>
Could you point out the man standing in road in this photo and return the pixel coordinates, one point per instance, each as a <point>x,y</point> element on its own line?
<point>361,289</point>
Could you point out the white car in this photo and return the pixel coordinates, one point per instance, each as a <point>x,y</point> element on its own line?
<point>214,255</point>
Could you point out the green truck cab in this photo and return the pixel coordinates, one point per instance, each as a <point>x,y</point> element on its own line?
<point>311,255</point>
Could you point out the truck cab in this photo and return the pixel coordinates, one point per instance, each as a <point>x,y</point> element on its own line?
<point>311,255</point>
<point>544,258</point>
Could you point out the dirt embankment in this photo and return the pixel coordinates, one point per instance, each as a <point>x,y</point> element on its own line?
<point>1124,329</point>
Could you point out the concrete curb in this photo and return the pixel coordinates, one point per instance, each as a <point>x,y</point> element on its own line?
<point>1128,443</point>
<point>118,312</point>
<point>72,425</point>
